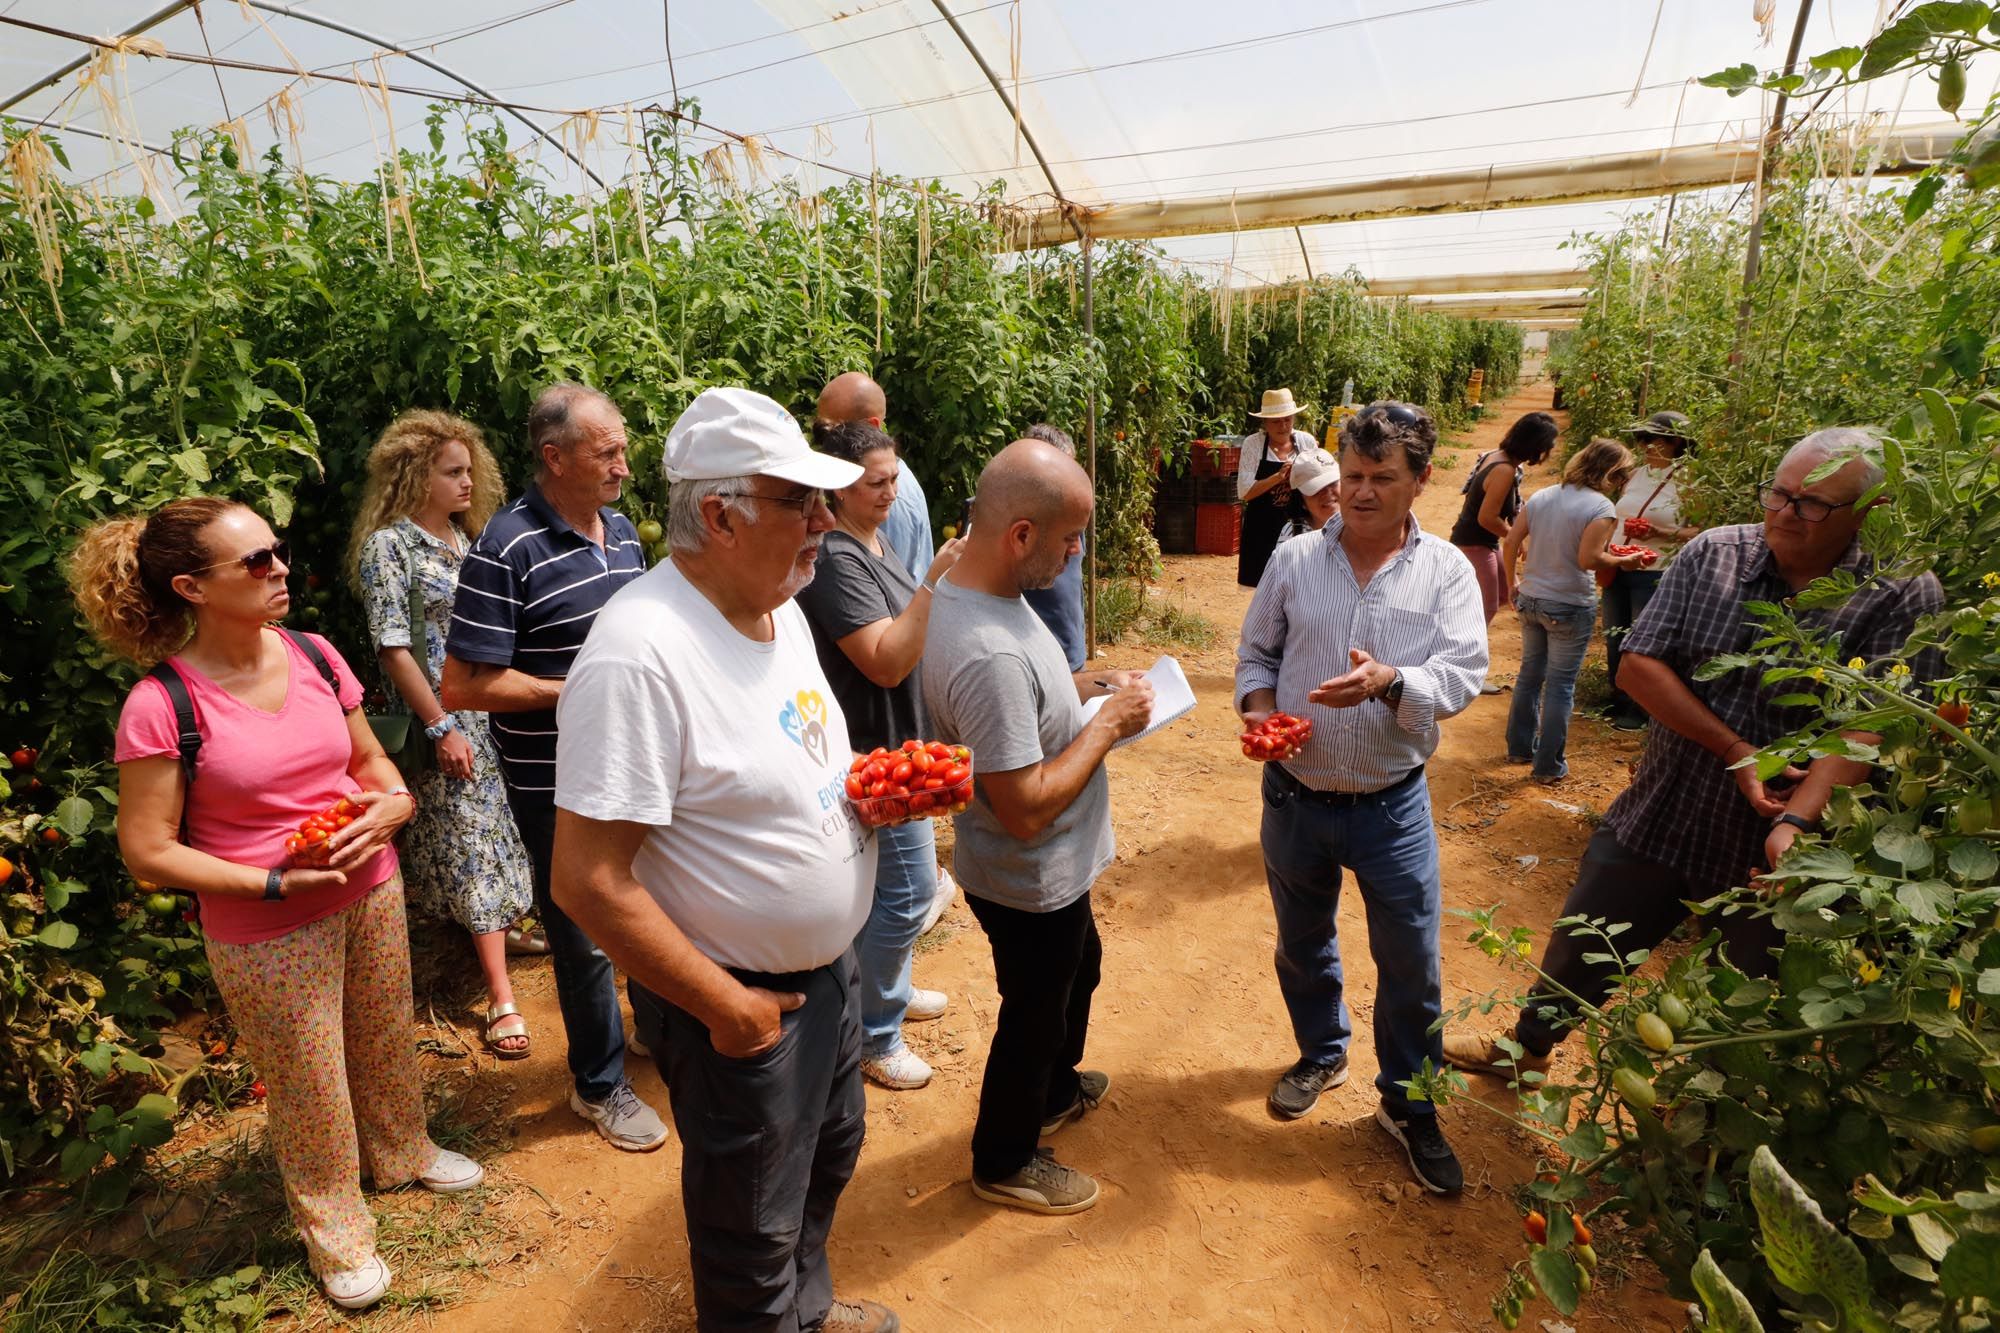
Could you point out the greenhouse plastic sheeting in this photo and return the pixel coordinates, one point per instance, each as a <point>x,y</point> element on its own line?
<point>1132,102</point>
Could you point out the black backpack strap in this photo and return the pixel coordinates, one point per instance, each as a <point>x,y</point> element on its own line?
<point>318,659</point>
<point>189,739</point>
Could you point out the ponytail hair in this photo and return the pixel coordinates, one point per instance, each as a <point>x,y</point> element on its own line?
<point>122,576</point>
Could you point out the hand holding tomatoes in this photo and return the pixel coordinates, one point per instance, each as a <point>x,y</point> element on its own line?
<point>917,780</point>
<point>1646,555</point>
<point>311,845</point>
<point>349,831</point>
<point>1638,528</point>
<point>1279,736</point>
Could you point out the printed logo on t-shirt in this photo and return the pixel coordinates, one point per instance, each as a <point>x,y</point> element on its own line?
<point>803,719</point>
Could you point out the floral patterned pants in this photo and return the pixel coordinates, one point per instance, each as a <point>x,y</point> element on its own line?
<point>324,1015</point>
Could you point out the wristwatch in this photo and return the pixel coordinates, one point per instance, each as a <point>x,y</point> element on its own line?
<point>1799,822</point>
<point>274,884</point>
<point>1393,696</point>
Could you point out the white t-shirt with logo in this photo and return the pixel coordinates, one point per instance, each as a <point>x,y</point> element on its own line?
<point>736,754</point>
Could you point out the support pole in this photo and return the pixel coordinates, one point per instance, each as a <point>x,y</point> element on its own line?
<point>1753,252</point>
<point>1090,448</point>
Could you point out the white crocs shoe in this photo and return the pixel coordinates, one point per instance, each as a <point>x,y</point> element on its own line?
<point>925,1005</point>
<point>358,1288</point>
<point>947,891</point>
<point>901,1069</point>
<point>452,1172</point>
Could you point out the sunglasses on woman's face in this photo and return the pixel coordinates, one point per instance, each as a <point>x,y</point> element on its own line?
<point>258,563</point>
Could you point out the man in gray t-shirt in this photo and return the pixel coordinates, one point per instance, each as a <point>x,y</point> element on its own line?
<point>1038,832</point>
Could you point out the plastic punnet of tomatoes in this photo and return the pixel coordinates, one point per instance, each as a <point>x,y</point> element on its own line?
<point>916,780</point>
<point>307,847</point>
<point>1279,736</point>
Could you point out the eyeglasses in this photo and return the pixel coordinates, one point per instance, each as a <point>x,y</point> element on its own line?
<point>1808,508</point>
<point>1396,412</point>
<point>803,504</point>
<point>258,563</point>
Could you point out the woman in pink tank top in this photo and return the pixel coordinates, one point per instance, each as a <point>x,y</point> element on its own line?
<point>312,960</point>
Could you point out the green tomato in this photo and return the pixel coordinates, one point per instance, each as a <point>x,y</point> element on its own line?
<point>650,532</point>
<point>1634,1089</point>
<point>1975,813</point>
<point>1654,1031</point>
<point>1674,1009</point>
<point>162,904</point>
<point>1986,1139</point>
<point>1951,86</point>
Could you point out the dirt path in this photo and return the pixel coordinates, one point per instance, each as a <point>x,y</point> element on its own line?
<point>1214,1216</point>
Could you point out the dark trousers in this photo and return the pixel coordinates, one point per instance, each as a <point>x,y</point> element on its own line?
<point>1046,965</point>
<point>1624,598</point>
<point>586,983</point>
<point>1615,884</point>
<point>767,1145</point>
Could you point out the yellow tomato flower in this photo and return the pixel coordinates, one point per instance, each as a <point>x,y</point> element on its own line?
<point>1817,673</point>
<point>1869,970</point>
<point>1957,996</point>
<point>1989,580</point>
<point>1900,669</point>
<point>1855,664</point>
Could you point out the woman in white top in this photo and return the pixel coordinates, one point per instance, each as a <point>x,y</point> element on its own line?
<point>1316,477</point>
<point>1264,483</point>
<point>1567,529</point>
<point>1649,514</point>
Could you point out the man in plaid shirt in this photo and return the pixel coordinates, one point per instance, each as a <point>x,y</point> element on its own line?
<point>1690,825</point>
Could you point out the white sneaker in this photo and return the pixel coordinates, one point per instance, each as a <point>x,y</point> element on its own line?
<point>925,1005</point>
<point>623,1119</point>
<point>947,890</point>
<point>358,1288</point>
<point>452,1172</point>
<point>902,1068</point>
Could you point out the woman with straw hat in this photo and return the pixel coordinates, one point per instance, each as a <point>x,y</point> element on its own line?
<point>1264,483</point>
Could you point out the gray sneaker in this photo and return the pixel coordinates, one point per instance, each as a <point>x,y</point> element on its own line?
<point>1298,1090</point>
<point>1091,1085</point>
<point>1044,1185</point>
<point>623,1119</point>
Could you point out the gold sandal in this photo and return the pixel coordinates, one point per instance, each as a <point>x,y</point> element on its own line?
<point>504,1021</point>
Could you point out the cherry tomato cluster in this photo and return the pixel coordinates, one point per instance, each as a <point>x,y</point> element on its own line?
<point>24,758</point>
<point>1279,736</point>
<point>1647,555</point>
<point>1638,528</point>
<point>917,780</point>
<point>308,845</point>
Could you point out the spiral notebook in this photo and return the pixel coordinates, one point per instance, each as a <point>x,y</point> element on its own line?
<point>1173,698</point>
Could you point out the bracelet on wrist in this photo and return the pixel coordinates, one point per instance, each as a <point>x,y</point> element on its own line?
<point>405,793</point>
<point>274,884</point>
<point>444,726</point>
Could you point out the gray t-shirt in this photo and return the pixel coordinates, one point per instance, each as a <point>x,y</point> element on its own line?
<point>995,679</point>
<point>1556,518</point>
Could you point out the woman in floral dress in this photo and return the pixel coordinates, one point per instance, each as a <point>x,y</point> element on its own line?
<point>432,484</point>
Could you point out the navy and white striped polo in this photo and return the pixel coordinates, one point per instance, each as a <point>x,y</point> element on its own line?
<point>528,592</point>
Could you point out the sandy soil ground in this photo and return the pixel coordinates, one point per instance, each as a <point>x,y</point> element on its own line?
<point>1214,1215</point>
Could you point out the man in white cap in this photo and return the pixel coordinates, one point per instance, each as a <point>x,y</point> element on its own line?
<point>703,834</point>
<point>1316,477</point>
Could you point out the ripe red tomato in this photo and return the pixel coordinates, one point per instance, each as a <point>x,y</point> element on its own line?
<point>878,753</point>
<point>860,762</point>
<point>911,747</point>
<point>855,791</point>
<point>52,837</point>
<point>1957,712</point>
<point>25,757</point>
<point>258,1090</point>
<point>955,774</point>
<point>921,761</point>
<point>901,772</point>
<point>920,802</point>
<point>939,750</point>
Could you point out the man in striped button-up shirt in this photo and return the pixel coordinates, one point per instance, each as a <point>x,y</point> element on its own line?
<point>1373,629</point>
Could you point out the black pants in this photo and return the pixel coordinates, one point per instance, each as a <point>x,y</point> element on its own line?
<point>767,1145</point>
<point>1615,884</point>
<point>1046,965</point>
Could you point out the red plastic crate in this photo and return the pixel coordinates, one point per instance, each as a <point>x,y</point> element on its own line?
<point>1218,529</point>
<point>1213,460</point>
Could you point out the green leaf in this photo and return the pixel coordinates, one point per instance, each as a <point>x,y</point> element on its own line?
<point>1933,1237</point>
<point>57,935</point>
<point>1736,79</point>
<point>73,816</point>
<point>155,1106</point>
<point>1873,1194</point>
<point>1927,901</point>
<point>1804,1250</point>
<point>1971,1268</point>
<point>1729,1310</point>
<point>1840,59</point>
<point>80,1157</point>
<point>1974,862</point>
<point>1907,849</point>
<point>97,1059</point>
<point>1555,1273</point>
<point>1918,202</point>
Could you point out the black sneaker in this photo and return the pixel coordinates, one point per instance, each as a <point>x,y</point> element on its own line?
<point>1298,1090</point>
<point>1629,720</point>
<point>1431,1159</point>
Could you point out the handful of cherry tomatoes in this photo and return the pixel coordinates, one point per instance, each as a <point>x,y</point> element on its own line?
<point>1279,736</point>
<point>1647,555</point>
<point>308,845</point>
<point>917,780</point>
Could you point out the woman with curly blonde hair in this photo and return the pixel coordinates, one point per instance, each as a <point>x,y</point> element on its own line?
<point>311,957</point>
<point>432,484</point>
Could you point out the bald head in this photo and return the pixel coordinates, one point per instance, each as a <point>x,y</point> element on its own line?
<point>852,397</point>
<point>1029,513</point>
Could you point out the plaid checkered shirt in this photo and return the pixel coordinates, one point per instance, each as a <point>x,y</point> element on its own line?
<point>1683,808</point>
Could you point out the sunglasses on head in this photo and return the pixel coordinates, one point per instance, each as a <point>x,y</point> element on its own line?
<point>258,563</point>
<point>1396,412</point>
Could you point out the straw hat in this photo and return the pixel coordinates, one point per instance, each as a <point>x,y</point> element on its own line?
<point>1278,403</point>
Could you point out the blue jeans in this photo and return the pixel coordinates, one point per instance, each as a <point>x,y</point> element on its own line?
<point>1387,841</point>
<point>905,883</point>
<point>586,983</point>
<point>1554,636</point>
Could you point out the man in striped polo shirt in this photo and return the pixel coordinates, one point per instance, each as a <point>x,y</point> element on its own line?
<point>1373,629</point>
<point>528,593</point>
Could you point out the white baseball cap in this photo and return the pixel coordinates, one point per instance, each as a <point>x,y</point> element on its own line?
<point>739,433</point>
<point>1313,471</point>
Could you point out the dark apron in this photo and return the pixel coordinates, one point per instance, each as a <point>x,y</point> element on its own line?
<point>1264,518</point>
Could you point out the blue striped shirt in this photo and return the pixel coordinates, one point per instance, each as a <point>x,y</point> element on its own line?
<point>528,592</point>
<point>1420,613</point>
